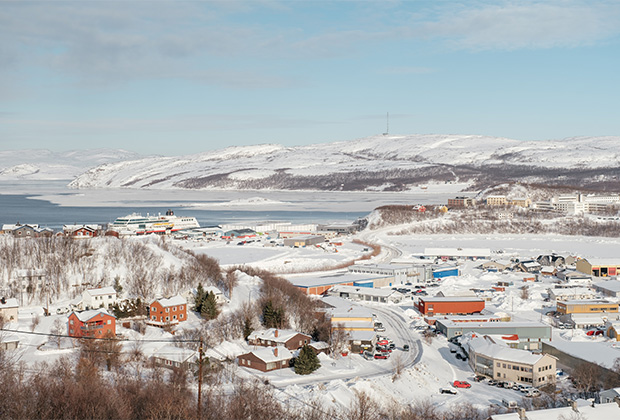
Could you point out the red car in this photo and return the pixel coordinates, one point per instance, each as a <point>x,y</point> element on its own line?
<point>462,384</point>
<point>382,355</point>
<point>594,332</point>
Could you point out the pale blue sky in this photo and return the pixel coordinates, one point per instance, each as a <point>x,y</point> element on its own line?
<point>172,78</point>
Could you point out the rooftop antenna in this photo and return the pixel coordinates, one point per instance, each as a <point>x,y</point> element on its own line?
<point>387,130</point>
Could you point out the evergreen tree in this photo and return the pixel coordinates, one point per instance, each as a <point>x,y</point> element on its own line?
<point>117,285</point>
<point>307,361</point>
<point>273,317</point>
<point>247,328</point>
<point>199,298</point>
<point>209,306</point>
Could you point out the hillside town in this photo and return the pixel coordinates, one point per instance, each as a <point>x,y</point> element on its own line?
<point>514,331</point>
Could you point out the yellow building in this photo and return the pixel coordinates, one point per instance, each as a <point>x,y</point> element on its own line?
<point>586,306</point>
<point>599,267</point>
<point>496,200</point>
<point>521,202</point>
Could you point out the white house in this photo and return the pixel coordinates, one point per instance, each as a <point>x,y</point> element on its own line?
<point>103,297</point>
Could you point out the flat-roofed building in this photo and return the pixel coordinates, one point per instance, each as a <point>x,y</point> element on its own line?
<point>450,305</point>
<point>608,288</point>
<point>461,202</point>
<point>400,273</point>
<point>491,358</point>
<point>599,267</point>
<point>458,253</point>
<point>586,306</point>
<point>530,335</point>
<point>496,200</point>
<point>318,285</point>
<point>367,294</point>
<point>304,240</point>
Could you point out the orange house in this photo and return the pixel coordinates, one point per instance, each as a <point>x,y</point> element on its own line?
<point>96,323</point>
<point>167,311</point>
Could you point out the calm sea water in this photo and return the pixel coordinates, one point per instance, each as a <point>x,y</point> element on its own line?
<point>19,208</point>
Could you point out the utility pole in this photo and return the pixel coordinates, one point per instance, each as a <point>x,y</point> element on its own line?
<point>200,381</point>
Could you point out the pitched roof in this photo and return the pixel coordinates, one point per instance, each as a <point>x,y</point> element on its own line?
<point>174,300</point>
<point>86,316</point>
<point>109,290</point>
<point>10,303</point>
<point>268,354</point>
<point>270,334</point>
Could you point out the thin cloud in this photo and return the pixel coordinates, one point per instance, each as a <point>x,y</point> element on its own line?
<point>518,25</point>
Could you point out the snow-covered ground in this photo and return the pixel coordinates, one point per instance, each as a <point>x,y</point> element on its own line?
<point>427,367</point>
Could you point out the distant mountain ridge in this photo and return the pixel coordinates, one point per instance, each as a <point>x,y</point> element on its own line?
<point>377,163</point>
<point>42,164</point>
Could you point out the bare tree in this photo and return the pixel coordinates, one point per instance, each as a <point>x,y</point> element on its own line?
<point>363,408</point>
<point>398,365</point>
<point>56,332</point>
<point>35,322</point>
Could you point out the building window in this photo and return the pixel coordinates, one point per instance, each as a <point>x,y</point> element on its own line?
<point>71,321</point>
<point>181,316</point>
<point>154,318</point>
<point>181,307</point>
<point>167,309</point>
<point>109,321</point>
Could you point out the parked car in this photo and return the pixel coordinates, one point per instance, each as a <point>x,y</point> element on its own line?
<point>382,355</point>
<point>492,382</point>
<point>479,378</point>
<point>532,393</point>
<point>406,347</point>
<point>594,332</point>
<point>462,384</point>
<point>448,391</point>
<point>368,355</point>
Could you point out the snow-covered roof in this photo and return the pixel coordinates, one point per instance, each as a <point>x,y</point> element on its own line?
<point>268,354</point>
<point>487,347</point>
<point>599,352</point>
<point>584,412</point>
<point>173,301</point>
<point>326,280</point>
<point>368,291</point>
<point>86,316</point>
<point>356,324</point>
<point>604,262</point>
<point>270,334</point>
<point>589,302</point>
<point>175,354</point>
<point>362,335</point>
<point>10,303</point>
<point>433,299</point>
<point>109,290</point>
<point>611,285</point>
<point>572,291</point>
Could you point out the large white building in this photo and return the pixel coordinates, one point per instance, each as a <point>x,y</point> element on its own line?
<point>579,203</point>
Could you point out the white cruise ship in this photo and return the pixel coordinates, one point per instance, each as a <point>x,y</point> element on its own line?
<point>136,224</point>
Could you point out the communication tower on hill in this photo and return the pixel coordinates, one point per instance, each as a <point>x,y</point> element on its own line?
<point>387,129</point>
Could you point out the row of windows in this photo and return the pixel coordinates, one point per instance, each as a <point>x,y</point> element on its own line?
<point>174,308</point>
<point>543,368</point>
<point>174,317</point>
<point>513,367</point>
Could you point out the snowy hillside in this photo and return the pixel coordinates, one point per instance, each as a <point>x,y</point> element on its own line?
<point>378,163</point>
<point>48,165</point>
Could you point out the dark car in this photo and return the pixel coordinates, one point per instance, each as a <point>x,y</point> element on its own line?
<point>448,391</point>
<point>406,347</point>
<point>478,378</point>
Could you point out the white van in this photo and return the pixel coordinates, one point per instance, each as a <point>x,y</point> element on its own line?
<point>509,404</point>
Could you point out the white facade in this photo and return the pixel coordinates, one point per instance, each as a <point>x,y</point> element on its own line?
<point>103,297</point>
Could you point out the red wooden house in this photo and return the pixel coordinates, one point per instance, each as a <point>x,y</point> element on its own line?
<point>449,305</point>
<point>168,311</point>
<point>97,324</point>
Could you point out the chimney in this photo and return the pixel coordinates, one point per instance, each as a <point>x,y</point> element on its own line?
<point>275,351</point>
<point>276,334</point>
<point>521,412</point>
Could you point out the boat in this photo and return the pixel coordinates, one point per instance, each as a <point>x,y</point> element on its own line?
<point>136,224</point>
